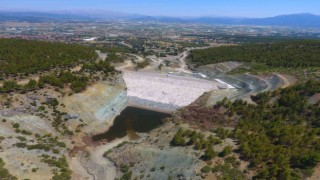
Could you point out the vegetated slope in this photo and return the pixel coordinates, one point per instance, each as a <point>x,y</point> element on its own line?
<point>77,82</point>
<point>24,57</point>
<point>299,53</point>
<point>279,134</point>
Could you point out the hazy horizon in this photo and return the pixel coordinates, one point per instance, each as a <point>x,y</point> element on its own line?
<point>178,8</point>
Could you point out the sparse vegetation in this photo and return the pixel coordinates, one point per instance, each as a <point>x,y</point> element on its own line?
<point>61,171</point>
<point>46,143</point>
<point>126,174</point>
<point>198,141</point>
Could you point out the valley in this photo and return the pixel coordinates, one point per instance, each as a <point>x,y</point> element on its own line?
<point>166,102</point>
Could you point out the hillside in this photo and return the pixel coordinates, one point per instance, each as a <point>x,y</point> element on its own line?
<point>25,57</point>
<point>301,20</point>
<point>278,134</point>
<point>30,65</point>
<point>300,53</point>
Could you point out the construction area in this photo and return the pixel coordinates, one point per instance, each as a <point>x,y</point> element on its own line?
<point>167,89</point>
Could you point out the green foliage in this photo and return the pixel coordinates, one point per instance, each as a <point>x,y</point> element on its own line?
<point>113,57</point>
<point>228,172</point>
<point>281,132</point>
<point>4,173</point>
<point>77,83</point>
<point>143,64</point>
<point>206,169</point>
<point>115,49</point>
<point>52,102</point>
<point>198,140</point>
<point>153,169</point>
<point>21,138</point>
<point>209,154</point>
<point>126,174</point>
<point>63,79</point>
<point>62,171</point>
<point>21,145</point>
<point>222,133</point>
<point>34,170</point>
<point>226,151</point>
<point>178,140</point>
<point>41,108</point>
<point>124,168</point>
<point>9,86</point>
<point>230,160</point>
<point>25,57</point>
<point>103,66</point>
<point>298,53</point>
<point>186,44</point>
<point>46,143</point>
<point>16,125</point>
<point>2,138</point>
<point>32,85</point>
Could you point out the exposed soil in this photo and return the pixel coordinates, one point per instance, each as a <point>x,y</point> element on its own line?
<point>200,116</point>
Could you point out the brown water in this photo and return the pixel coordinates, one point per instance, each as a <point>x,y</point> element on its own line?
<point>130,121</point>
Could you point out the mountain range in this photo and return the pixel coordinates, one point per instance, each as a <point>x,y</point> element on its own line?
<point>301,20</point>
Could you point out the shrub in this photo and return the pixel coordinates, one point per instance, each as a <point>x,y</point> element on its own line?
<point>206,169</point>
<point>226,151</point>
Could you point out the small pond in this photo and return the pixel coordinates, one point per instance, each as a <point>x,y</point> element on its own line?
<point>130,121</point>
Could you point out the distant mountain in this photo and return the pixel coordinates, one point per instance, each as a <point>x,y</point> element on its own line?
<point>304,20</point>
<point>287,20</point>
<point>41,17</point>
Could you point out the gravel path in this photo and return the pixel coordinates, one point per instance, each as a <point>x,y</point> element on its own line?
<point>95,166</point>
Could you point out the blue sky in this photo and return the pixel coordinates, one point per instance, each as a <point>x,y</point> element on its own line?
<point>233,8</point>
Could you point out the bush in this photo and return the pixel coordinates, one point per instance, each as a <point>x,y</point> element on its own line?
<point>230,160</point>
<point>141,65</point>
<point>226,151</point>
<point>228,173</point>
<point>209,154</point>
<point>22,138</point>
<point>16,125</point>
<point>124,168</point>
<point>178,140</point>
<point>222,133</point>
<point>21,145</point>
<point>206,169</point>
<point>4,173</point>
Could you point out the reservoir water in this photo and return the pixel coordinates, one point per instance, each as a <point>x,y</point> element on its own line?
<point>130,121</point>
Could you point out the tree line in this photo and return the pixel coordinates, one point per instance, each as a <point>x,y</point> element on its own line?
<point>295,53</point>
<point>26,57</point>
